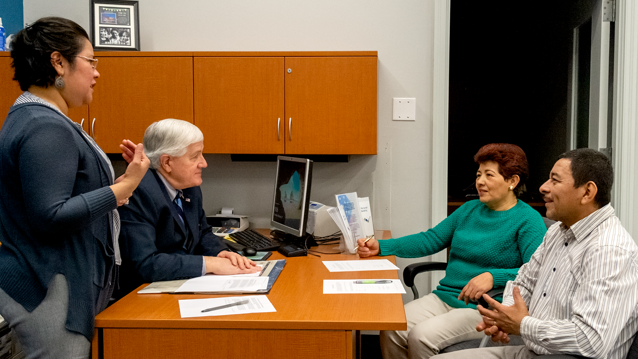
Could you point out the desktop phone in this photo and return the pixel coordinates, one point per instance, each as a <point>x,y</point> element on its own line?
<point>292,250</point>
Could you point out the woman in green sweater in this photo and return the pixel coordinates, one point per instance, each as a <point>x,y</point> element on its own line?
<point>489,240</point>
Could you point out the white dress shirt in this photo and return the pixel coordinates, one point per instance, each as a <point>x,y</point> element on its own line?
<point>581,289</point>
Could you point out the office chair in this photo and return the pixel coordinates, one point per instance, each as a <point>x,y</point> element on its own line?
<point>411,271</point>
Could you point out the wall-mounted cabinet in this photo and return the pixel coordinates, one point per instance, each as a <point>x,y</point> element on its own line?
<point>135,91</point>
<point>9,89</point>
<point>239,104</point>
<point>292,105</point>
<point>244,102</point>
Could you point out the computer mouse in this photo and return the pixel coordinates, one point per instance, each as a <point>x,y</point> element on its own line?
<point>249,251</point>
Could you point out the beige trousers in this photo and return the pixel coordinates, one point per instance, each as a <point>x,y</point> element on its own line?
<point>432,326</point>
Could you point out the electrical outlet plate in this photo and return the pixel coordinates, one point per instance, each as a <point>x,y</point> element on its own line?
<point>403,109</point>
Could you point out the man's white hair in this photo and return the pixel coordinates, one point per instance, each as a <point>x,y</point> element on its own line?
<point>170,137</point>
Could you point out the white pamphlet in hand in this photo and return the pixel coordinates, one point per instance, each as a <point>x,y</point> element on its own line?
<point>348,205</point>
<point>366,216</point>
<point>345,231</point>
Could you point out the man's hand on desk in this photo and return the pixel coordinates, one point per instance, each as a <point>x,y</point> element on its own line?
<point>237,260</point>
<point>228,262</point>
<point>368,247</point>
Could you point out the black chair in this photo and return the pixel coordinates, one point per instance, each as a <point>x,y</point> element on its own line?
<point>412,270</point>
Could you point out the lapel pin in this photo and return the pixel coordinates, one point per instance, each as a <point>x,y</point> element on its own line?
<point>187,199</point>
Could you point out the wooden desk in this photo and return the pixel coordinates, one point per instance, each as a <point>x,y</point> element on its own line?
<point>307,324</point>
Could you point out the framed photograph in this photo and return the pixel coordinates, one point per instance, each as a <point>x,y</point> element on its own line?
<point>115,25</point>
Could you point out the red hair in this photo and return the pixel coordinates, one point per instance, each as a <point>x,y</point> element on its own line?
<point>511,161</point>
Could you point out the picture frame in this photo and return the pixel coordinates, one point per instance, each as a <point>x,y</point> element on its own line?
<point>115,25</point>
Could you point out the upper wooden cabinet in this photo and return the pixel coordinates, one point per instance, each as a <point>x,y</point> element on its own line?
<point>9,89</point>
<point>135,91</point>
<point>301,104</point>
<point>331,105</point>
<point>244,102</point>
<point>239,104</point>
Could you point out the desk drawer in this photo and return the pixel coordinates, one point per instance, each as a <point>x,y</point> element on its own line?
<point>226,343</point>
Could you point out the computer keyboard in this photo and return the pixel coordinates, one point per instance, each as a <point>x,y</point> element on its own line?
<point>254,239</point>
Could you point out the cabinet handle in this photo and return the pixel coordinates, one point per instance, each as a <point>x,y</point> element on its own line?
<point>278,121</point>
<point>82,123</point>
<point>290,128</point>
<point>93,128</point>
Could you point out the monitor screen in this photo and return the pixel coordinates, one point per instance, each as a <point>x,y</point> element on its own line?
<point>292,195</point>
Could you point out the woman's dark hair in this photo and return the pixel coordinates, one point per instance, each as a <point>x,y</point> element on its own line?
<point>511,161</point>
<point>591,165</point>
<point>32,47</point>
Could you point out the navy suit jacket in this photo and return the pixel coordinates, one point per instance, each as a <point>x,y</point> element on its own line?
<point>153,240</point>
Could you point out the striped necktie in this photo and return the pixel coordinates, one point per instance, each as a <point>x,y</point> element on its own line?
<point>177,202</point>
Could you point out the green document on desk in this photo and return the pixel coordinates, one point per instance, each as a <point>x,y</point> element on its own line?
<point>271,269</point>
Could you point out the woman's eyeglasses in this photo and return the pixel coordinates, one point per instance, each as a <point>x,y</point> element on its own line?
<point>90,60</point>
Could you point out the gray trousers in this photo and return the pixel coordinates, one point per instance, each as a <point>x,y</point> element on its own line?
<point>42,332</point>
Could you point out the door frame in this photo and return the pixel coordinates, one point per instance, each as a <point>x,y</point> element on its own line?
<point>625,114</point>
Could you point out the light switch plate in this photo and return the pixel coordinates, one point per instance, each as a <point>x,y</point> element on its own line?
<point>403,109</point>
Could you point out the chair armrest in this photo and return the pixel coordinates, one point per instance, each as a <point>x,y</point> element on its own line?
<point>494,292</point>
<point>411,271</point>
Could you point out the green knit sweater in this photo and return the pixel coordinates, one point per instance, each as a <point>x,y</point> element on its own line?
<point>480,240</point>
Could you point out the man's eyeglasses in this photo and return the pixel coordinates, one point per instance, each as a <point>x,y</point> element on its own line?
<point>92,61</point>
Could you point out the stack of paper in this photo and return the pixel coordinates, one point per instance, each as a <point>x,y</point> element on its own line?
<point>354,218</point>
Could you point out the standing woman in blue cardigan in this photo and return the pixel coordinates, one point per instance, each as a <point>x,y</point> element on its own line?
<point>58,210</point>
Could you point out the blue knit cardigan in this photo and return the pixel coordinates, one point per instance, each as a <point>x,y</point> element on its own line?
<point>54,207</point>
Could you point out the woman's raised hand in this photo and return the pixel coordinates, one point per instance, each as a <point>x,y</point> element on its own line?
<point>137,166</point>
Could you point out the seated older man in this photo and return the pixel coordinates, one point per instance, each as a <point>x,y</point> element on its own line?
<point>164,234</point>
<point>578,294</point>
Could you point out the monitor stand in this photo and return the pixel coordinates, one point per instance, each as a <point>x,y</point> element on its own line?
<point>293,246</point>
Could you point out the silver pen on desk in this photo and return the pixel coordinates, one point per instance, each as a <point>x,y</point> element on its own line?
<point>241,302</point>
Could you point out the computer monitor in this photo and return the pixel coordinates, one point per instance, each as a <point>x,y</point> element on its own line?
<point>292,195</point>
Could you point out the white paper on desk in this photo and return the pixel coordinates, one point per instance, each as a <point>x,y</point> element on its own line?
<point>190,308</point>
<point>331,286</point>
<point>210,283</point>
<point>359,265</point>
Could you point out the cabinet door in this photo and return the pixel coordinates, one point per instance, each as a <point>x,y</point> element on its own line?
<point>133,92</point>
<point>239,104</point>
<point>331,105</point>
<point>9,89</point>
<point>81,115</point>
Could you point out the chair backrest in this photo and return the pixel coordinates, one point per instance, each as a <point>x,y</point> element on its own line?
<point>633,349</point>
<point>548,222</point>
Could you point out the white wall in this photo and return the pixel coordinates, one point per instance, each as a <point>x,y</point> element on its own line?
<point>398,179</point>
